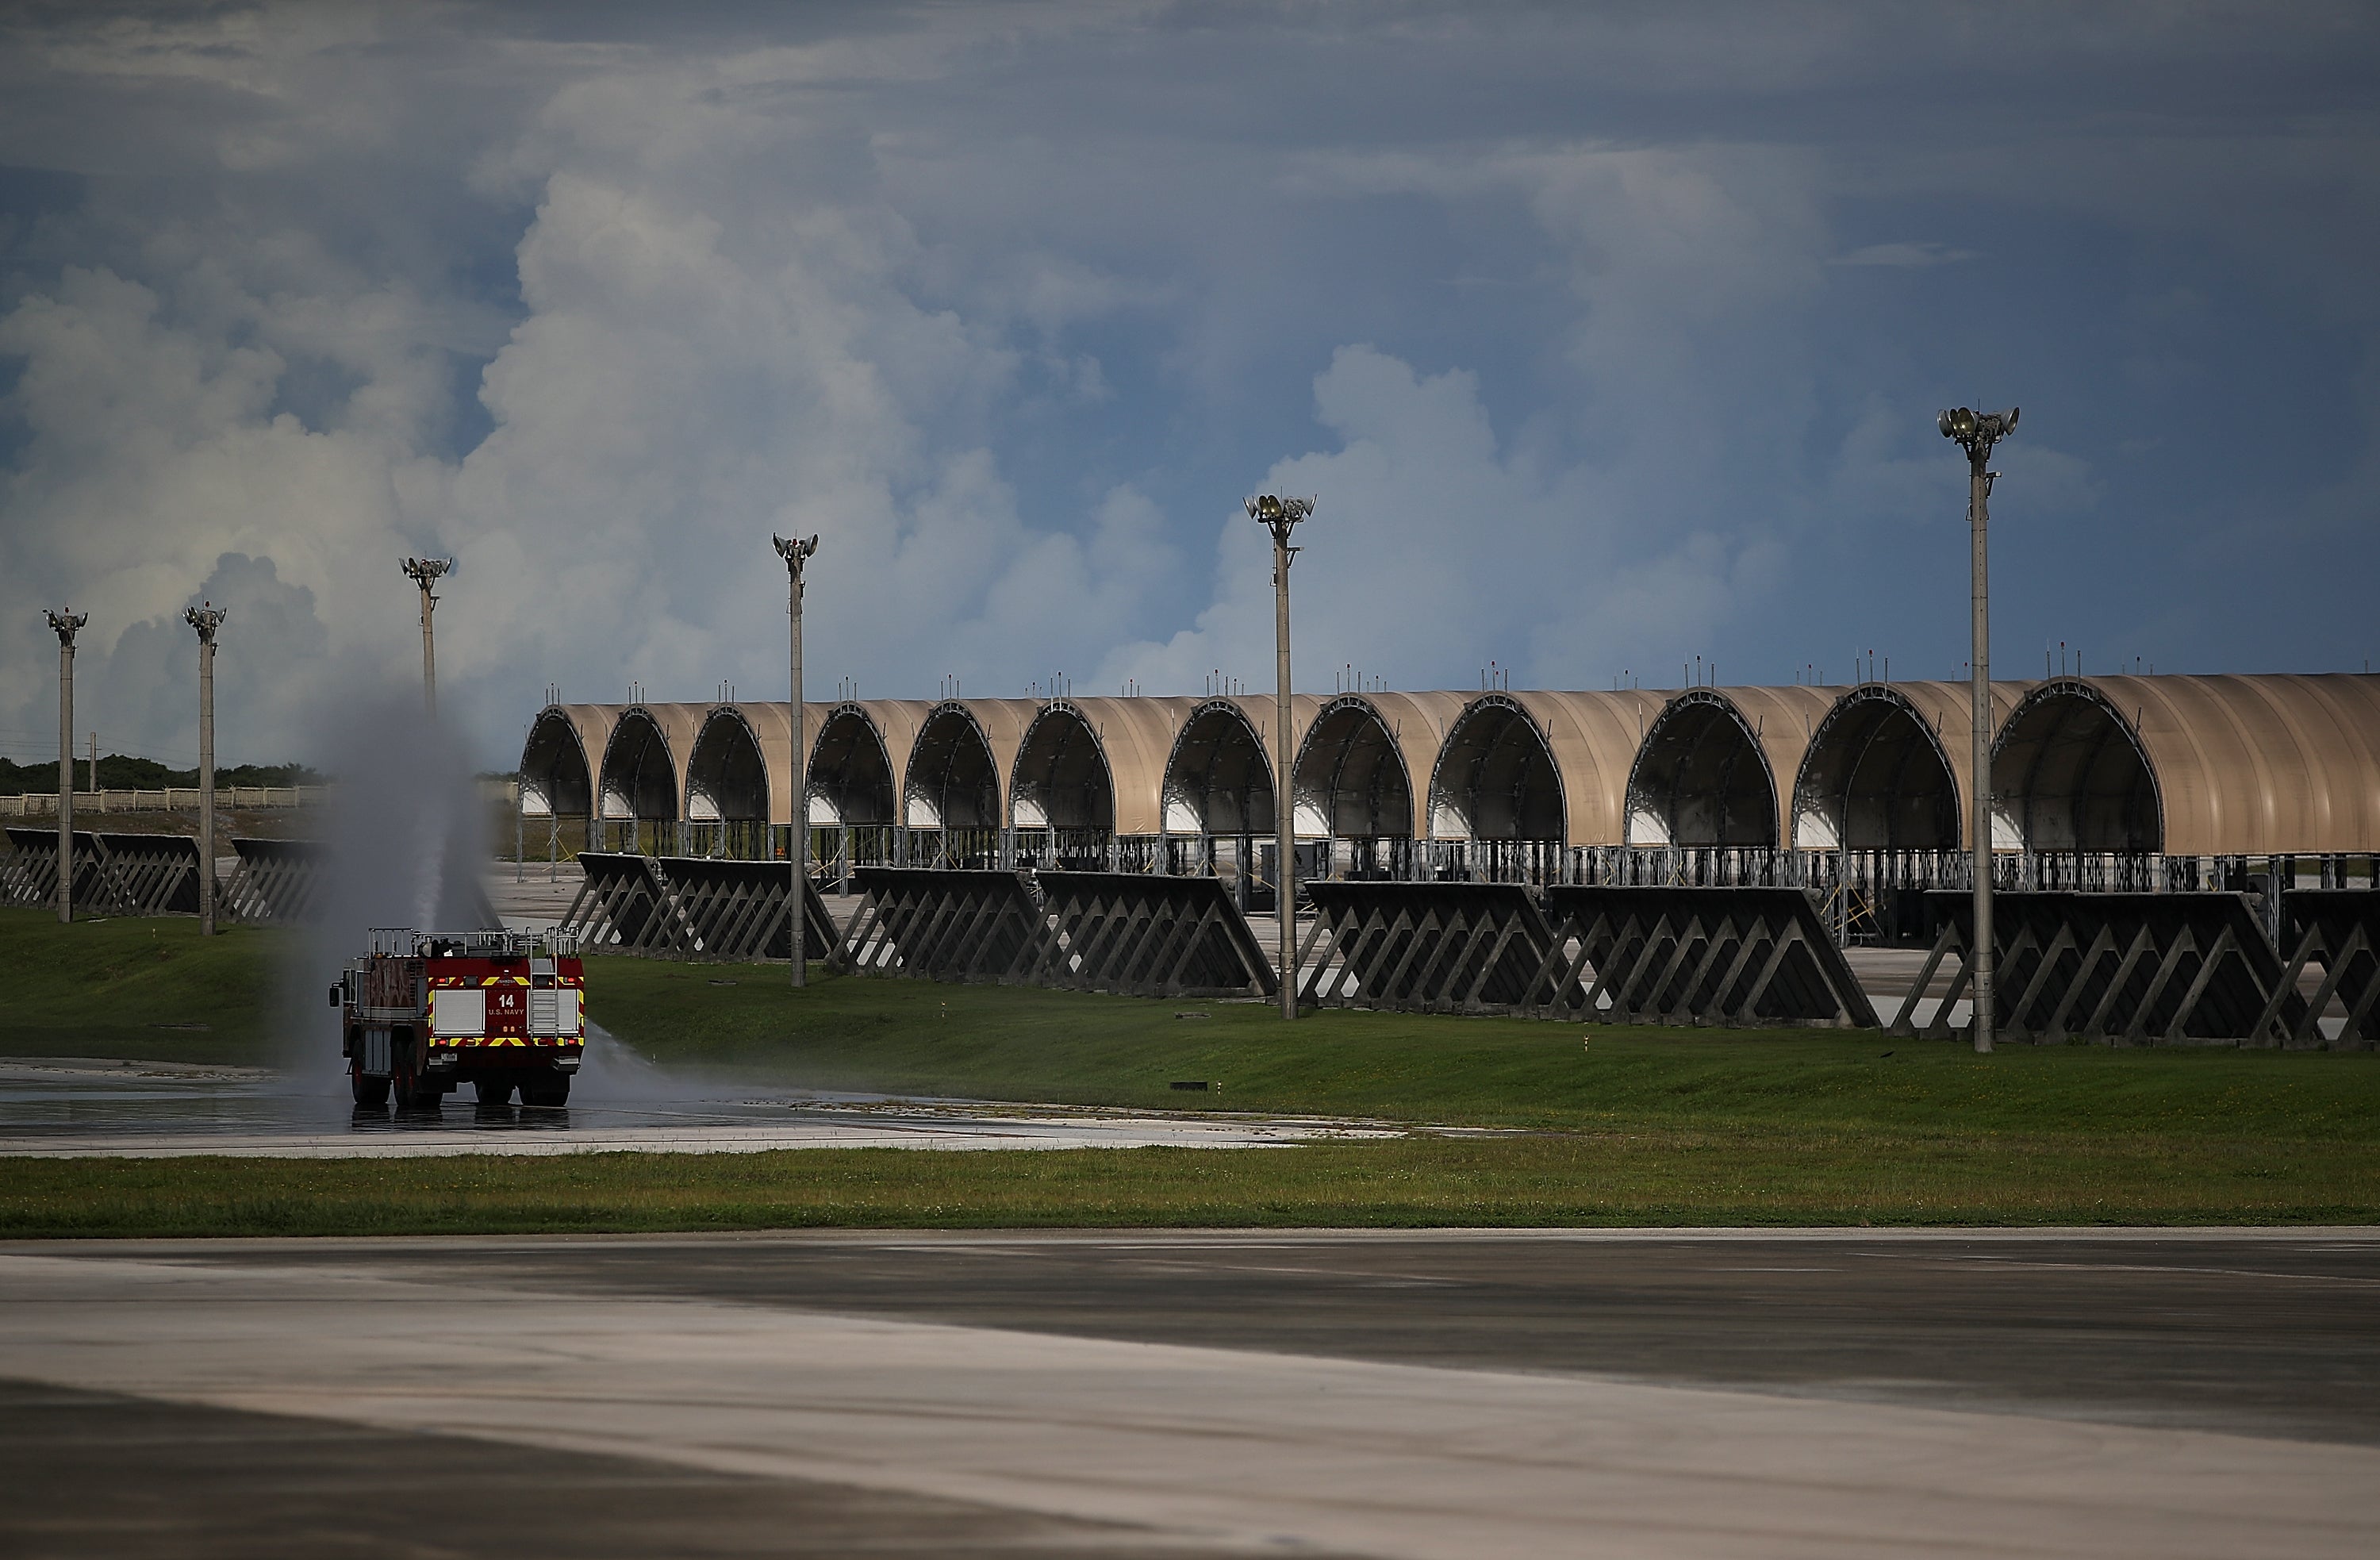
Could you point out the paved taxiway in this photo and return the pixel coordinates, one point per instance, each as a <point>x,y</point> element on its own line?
<point>1417,1394</point>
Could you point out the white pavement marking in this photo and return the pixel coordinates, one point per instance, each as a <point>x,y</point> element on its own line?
<point>1231,1447</point>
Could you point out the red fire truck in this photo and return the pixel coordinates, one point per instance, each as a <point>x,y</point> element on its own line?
<point>426,1010</point>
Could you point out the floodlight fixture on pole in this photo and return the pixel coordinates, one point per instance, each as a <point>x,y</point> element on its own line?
<point>425,573</point>
<point>1976,432</point>
<point>67,624</point>
<point>1280,516</point>
<point>796,552</point>
<point>206,619</point>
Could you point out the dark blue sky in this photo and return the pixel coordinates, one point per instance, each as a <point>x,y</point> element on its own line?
<point>1606,336</point>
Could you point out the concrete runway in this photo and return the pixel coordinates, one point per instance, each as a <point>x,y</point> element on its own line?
<point>1395,1394</point>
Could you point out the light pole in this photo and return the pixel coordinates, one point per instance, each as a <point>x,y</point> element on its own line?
<point>1976,432</point>
<point>206,619</point>
<point>1280,516</point>
<point>796,552</point>
<point>425,573</point>
<point>67,624</point>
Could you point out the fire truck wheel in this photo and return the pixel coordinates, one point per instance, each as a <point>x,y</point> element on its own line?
<point>550,1093</point>
<point>494,1094</point>
<point>371,1093</point>
<point>415,1092</point>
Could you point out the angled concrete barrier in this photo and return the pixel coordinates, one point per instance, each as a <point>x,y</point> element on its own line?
<point>115,874</point>
<point>694,908</point>
<point>1134,935</point>
<point>2337,930</point>
<point>1424,947</point>
<point>150,874</point>
<point>30,874</point>
<point>2125,969</point>
<point>1732,957</point>
<point>277,881</point>
<point>945,924</point>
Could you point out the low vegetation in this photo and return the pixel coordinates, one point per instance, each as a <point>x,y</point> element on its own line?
<point>150,990</point>
<point>1658,1176</point>
<point>121,771</point>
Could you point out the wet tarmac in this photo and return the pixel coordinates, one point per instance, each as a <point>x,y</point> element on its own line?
<point>77,1108</point>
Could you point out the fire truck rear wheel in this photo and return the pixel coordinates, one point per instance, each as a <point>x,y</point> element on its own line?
<point>371,1093</point>
<point>415,1092</point>
<point>549,1094</point>
<point>494,1093</point>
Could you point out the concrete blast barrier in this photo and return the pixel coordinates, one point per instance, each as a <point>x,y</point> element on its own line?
<point>151,874</point>
<point>1424,947</point>
<point>694,908</point>
<point>1736,956</point>
<point>115,874</point>
<point>2127,969</point>
<point>276,881</point>
<point>1133,934</point>
<point>2337,930</point>
<point>1130,933</point>
<point>945,924</point>
<point>1731,955</point>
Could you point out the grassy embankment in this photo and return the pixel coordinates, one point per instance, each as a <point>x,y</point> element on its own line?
<point>1631,1126</point>
<point>147,990</point>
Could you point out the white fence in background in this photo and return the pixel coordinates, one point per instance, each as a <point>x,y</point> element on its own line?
<point>44,804</point>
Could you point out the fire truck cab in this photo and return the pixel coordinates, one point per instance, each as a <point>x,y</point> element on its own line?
<point>424,1011</point>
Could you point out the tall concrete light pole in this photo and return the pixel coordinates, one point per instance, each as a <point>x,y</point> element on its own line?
<point>67,624</point>
<point>1280,516</point>
<point>796,552</point>
<point>425,573</point>
<point>206,619</point>
<point>1976,432</point>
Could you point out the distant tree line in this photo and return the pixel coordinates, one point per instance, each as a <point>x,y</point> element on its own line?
<point>121,771</point>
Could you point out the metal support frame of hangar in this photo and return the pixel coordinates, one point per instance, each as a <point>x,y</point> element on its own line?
<point>2115,783</point>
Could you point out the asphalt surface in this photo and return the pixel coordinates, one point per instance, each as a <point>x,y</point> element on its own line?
<point>2268,1334</point>
<point>1382,1392</point>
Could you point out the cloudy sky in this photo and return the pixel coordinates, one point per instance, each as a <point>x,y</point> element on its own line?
<point>1606,337</point>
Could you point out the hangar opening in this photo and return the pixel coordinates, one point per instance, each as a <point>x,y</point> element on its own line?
<point>1217,779</point>
<point>952,802</point>
<point>1350,788</point>
<point>852,805</point>
<point>2068,774</point>
<point>1062,792</point>
<point>1700,779</point>
<point>727,789</point>
<point>1496,791</point>
<point>851,774</point>
<point>640,791</point>
<point>555,784</point>
<point>1875,778</point>
<point>1219,792</point>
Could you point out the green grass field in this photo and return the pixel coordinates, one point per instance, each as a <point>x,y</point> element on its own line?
<point>1002,1043</point>
<point>1606,1126</point>
<point>147,989</point>
<point>1655,1176</point>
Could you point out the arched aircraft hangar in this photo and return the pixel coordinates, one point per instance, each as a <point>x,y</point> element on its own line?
<point>733,778</point>
<point>1701,778</point>
<point>2153,781</point>
<point>1495,787</point>
<point>1218,794</point>
<point>640,804</point>
<point>558,767</point>
<point>954,801</point>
